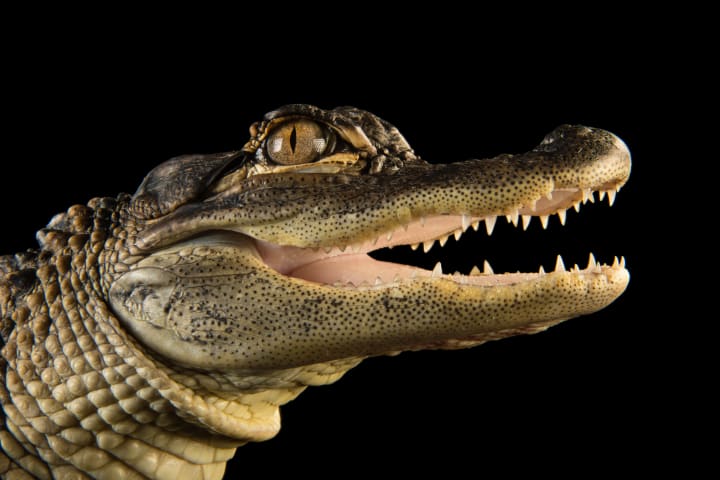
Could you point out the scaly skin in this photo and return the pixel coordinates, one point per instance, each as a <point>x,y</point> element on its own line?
<point>153,334</point>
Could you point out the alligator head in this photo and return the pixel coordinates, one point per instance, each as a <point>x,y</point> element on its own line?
<point>229,282</point>
<point>286,225</point>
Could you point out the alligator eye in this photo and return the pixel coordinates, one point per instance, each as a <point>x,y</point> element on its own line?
<point>296,142</point>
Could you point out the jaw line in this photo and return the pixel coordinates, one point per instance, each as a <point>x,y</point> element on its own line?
<point>350,266</point>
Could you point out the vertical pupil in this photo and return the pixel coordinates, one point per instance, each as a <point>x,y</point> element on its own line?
<point>293,139</point>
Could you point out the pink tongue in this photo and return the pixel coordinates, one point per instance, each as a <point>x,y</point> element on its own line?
<point>355,269</point>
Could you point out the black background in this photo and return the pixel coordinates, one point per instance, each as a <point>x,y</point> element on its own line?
<point>581,397</point>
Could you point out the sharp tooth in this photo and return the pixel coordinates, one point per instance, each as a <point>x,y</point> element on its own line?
<point>437,271</point>
<point>544,221</point>
<point>576,206</point>
<point>591,262</point>
<point>457,234</point>
<point>389,236</point>
<point>526,221</point>
<point>487,269</point>
<point>541,271</point>
<point>622,262</point>
<point>513,218</point>
<point>465,222</point>
<point>611,197</point>
<point>559,265</point>
<point>475,271</point>
<point>576,268</point>
<point>586,195</point>
<point>428,245</point>
<point>532,205</point>
<point>343,248</point>
<point>562,215</point>
<point>476,225</point>
<point>378,281</point>
<point>601,195</point>
<point>327,249</point>
<point>443,240</point>
<point>616,262</point>
<point>490,224</point>
<point>414,246</point>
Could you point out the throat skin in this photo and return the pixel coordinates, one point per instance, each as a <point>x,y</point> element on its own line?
<point>150,335</point>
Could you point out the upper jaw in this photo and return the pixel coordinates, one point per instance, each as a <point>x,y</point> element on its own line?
<point>367,211</point>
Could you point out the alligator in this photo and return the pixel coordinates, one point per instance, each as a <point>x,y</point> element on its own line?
<point>150,335</point>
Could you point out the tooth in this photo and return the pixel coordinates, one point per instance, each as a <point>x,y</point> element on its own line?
<point>465,222</point>
<point>591,262</point>
<point>513,218</point>
<point>544,221</point>
<point>526,221</point>
<point>559,265</point>
<point>549,195</point>
<point>476,225</point>
<point>396,278</point>
<point>414,246</point>
<point>427,245</point>
<point>601,195</point>
<point>622,262</point>
<point>490,224</point>
<point>389,236</point>
<point>457,234</point>
<point>562,214</point>
<point>532,205</point>
<point>587,195</point>
<point>611,197</point>
<point>356,248</point>
<point>377,239</point>
<point>422,221</point>
<point>327,249</point>
<point>437,271</point>
<point>475,271</point>
<point>487,269</point>
<point>343,248</point>
<point>616,262</point>
<point>577,207</point>
<point>541,270</point>
<point>443,240</point>
<point>576,268</point>
<point>378,281</point>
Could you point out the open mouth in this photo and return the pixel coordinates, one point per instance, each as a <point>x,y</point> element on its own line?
<point>350,266</point>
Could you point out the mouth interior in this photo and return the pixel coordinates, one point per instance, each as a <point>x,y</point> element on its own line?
<point>351,266</point>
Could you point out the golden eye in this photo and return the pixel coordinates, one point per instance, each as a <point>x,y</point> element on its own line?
<point>296,142</point>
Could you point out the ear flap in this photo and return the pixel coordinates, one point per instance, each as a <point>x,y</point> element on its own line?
<point>177,181</point>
